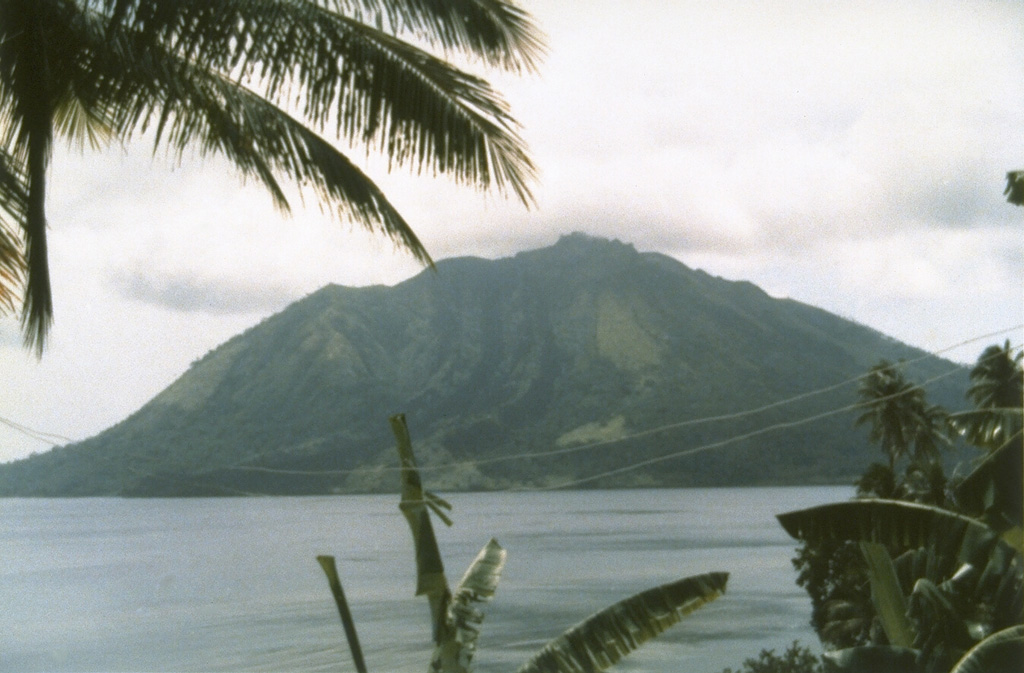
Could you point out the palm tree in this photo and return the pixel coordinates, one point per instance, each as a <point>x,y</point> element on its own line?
<point>900,419</point>
<point>258,82</point>
<point>997,391</point>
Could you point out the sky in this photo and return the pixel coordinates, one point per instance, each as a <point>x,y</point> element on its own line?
<point>850,155</point>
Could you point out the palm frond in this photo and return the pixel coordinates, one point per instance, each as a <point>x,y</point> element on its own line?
<point>372,87</point>
<point>259,82</point>
<point>29,82</point>
<point>498,32</point>
<point>194,108</point>
<point>13,206</point>
<point>1014,191</point>
<point>604,638</point>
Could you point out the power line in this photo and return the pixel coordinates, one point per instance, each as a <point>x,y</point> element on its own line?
<point>737,438</point>
<point>47,437</point>
<point>584,447</point>
<point>637,435</point>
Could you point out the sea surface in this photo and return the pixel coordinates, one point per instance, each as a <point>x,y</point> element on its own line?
<point>233,585</point>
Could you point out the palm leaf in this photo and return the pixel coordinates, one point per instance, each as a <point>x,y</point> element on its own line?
<point>430,578</point>
<point>372,86</point>
<point>225,76</point>
<point>455,653</point>
<point>604,638</point>
<point>13,204</point>
<point>1002,651</point>
<point>495,31</point>
<point>29,81</point>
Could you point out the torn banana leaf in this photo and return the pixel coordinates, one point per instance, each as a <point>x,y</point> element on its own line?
<point>954,539</point>
<point>416,505</point>
<point>464,618</point>
<point>606,637</point>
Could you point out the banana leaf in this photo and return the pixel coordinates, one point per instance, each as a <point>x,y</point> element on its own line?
<point>993,488</point>
<point>416,505</point>
<point>874,659</point>
<point>887,596</point>
<point>455,653</point>
<point>606,637</point>
<point>954,539</point>
<point>943,633</point>
<point>1002,651</point>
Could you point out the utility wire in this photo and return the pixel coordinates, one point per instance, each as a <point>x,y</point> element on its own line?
<point>47,437</point>
<point>642,433</point>
<point>42,436</point>
<point>737,438</point>
<point>639,464</point>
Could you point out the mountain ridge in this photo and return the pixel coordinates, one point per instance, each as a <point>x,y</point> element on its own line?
<point>587,338</point>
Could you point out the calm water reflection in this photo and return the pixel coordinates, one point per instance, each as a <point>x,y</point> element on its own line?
<point>233,585</point>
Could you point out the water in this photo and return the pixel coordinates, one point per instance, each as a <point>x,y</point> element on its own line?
<point>233,584</point>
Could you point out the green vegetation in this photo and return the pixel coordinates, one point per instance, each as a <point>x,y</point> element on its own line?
<point>594,645</point>
<point>925,580</point>
<point>223,77</point>
<point>492,359</point>
<point>896,584</point>
<point>796,659</point>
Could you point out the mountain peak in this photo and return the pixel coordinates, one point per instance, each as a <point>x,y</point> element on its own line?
<point>578,244</point>
<point>586,340</point>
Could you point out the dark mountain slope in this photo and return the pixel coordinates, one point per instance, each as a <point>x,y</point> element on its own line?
<point>585,341</point>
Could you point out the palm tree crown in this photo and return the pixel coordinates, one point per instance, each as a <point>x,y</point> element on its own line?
<point>899,416</point>
<point>997,391</point>
<point>258,82</point>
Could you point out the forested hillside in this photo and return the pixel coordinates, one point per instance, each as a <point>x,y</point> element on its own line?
<point>587,343</point>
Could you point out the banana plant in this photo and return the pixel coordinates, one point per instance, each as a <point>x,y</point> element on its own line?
<point>1002,651</point>
<point>593,645</point>
<point>941,582</point>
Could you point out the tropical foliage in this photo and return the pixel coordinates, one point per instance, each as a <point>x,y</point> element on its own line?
<point>900,419</point>
<point>940,582</point>
<point>258,83</point>
<point>796,659</point>
<point>909,586</point>
<point>1014,192</point>
<point>593,645</point>
<point>997,391</point>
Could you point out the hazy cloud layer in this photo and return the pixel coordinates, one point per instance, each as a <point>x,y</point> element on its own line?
<point>204,295</point>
